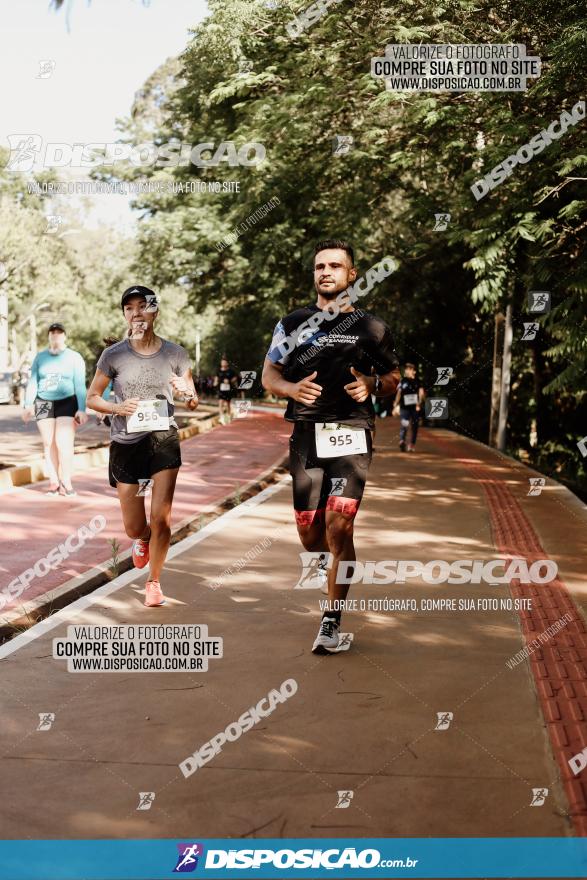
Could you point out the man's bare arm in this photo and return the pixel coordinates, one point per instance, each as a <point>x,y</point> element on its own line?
<point>389,383</point>
<point>305,391</point>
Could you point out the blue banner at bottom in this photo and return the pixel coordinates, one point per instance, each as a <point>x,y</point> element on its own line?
<point>368,858</point>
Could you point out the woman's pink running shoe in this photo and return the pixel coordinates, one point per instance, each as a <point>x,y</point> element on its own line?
<point>154,594</point>
<point>140,553</point>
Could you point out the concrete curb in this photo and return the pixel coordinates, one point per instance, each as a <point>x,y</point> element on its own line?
<point>37,609</point>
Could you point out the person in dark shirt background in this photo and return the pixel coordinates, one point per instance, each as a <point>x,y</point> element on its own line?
<point>410,397</point>
<point>225,380</point>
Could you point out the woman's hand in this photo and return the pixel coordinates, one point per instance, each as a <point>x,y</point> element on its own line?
<point>186,388</point>
<point>127,407</point>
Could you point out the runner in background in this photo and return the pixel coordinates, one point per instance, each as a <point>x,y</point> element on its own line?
<point>56,397</point>
<point>329,372</point>
<point>409,398</point>
<point>225,380</point>
<point>145,371</point>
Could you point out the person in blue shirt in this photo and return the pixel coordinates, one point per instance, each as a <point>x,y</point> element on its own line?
<point>56,397</point>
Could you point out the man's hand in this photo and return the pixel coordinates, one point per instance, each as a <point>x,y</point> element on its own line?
<point>127,407</point>
<point>306,391</point>
<point>81,417</point>
<point>361,388</point>
<point>27,413</point>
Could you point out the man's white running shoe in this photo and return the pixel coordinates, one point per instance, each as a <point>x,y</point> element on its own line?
<point>327,638</point>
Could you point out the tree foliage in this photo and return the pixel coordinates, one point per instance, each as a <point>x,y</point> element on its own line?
<point>242,79</point>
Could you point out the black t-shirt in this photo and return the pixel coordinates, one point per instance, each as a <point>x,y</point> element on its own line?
<point>409,386</point>
<point>225,378</point>
<point>353,339</point>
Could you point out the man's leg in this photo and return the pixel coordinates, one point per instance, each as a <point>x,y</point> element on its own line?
<point>404,421</point>
<point>340,514</point>
<point>307,484</point>
<point>312,530</point>
<point>340,519</point>
<point>347,476</point>
<point>415,423</point>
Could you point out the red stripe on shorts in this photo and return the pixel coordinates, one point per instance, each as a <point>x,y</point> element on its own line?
<point>346,506</point>
<point>307,517</point>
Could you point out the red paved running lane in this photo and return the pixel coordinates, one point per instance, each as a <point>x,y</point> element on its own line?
<point>559,666</point>
<point>214,464</point>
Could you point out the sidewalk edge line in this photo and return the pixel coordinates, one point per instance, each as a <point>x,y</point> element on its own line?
<point>60,617</point>
<point>39,604</point>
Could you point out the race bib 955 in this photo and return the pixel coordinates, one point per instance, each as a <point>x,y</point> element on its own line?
<point>334,440</point>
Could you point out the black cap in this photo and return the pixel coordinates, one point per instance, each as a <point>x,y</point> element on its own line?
<point>138,290</point>
<point>56,326</point>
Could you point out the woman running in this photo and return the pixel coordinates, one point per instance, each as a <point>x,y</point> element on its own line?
<point>56,396</point>
<point>145,371</point>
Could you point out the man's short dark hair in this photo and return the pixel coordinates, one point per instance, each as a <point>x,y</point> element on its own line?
<point>335,243</point>
<point>413,366</point>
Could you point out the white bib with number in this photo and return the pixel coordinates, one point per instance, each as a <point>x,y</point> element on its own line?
<point>225,386</point>
<point>410,399</point>
<point>151,415</point>
<point>334,440</point>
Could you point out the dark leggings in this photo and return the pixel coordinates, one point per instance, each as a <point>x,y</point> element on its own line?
<point>408,417</point>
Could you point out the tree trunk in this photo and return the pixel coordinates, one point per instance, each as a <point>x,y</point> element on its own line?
<point>539,382</point>
<point>496,379</point>
<point>505,381</point>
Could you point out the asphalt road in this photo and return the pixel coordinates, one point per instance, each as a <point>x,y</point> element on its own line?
<point>421,719</point>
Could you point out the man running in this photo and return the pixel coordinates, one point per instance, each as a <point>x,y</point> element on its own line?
<point>225,380</point>
<point>145,371</point>
<point>410,397</point>
<point>56,396</point>
<point>328,369</point>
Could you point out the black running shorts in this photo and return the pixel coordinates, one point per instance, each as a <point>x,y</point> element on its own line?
<point>55,409</point>
<point>131,462</point>
<point>325,483</point>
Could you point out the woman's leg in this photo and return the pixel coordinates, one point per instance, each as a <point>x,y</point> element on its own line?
<point>161,501</point>
<point>64,434</point>
<point>47,431</point>
<point>133,510</point>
